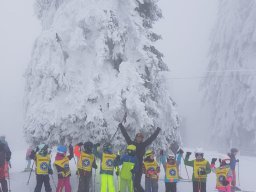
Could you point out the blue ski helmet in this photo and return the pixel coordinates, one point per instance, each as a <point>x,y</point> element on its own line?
<point>62,149</point>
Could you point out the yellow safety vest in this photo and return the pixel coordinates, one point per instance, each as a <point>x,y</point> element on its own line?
<point>64,163</point>
<point>197,166</point>
<point>42,164</point>
<point>107,163</point>
<point>171,171</point>
<point>85,161</point>
<point>151,166</point>
<point>221,174</point>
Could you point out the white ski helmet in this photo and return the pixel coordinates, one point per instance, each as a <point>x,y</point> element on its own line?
<point>171,156</point>
<point>225,160</point>
<point>199,150</point>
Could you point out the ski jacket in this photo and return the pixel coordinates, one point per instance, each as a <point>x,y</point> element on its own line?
<point>5,153</point>
<point>43,163</point>
<point>61,164</point>
<point>140,147</point>
<point>171,171</point>
<point>151,169</point>
<point>129,166</point>
<point>196,166</point>
<point>233,161</point>
<point>29,150</point>
<point>108,162</point>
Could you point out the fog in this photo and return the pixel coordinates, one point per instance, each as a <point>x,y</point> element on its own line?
<point>185,29</point>
<point>19,28</point>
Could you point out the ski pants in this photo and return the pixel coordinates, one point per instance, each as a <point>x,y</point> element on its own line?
<point>137,182</point>
<point>170,187</point>
<point>4,185</point>
<point>126,184</point>
<point>199,186</point>
<point>233,183</point>
<point>63,183</point>
<point>107,183</point>
<point>40,180</point>
<point>85,183</point>
<point>151,185</point>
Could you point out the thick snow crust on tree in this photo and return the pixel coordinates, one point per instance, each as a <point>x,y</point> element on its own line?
<point>94,61</point>
<point>231,91</point>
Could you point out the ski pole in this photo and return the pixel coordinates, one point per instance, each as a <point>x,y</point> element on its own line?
<point>185,167</point>
<point>238,174</point>
<point>123,120</point>
<point>30,172</point>
<point>94,181</point>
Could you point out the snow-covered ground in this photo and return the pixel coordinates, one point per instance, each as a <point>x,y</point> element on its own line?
<point>19,178</point>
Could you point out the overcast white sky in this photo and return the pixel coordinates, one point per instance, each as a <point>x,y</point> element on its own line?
<point>185,29</point>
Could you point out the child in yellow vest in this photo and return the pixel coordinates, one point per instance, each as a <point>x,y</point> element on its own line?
<point>62,166</point>
<point>86,161</point>
<point>109,161</point>
<point>201,168</point>
<point>43,167</point>
<point>151,170</point>
<point>223,174</point>
<point>171,167</point>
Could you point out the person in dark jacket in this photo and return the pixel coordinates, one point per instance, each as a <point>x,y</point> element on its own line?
<point>5,156</point>
<point>86,160</point>
<point>233,162</point>
<point>140,151</point>
<point>42,160</point>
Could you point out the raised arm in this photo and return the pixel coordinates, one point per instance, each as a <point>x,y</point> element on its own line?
<point>125,134</point>
<point>152,137</point>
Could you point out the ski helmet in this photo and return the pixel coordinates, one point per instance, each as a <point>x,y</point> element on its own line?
<point>234,150</point>
<point>61,149</point>
<point>88,147</point>
<point>131,150</point>
<point>149,152</point>
<point>107,148</point>
<point>225,160</point>
<point>43,149</point>
<point>199,152</point>
<point>171,156</point>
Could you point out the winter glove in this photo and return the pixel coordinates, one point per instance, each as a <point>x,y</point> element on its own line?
<point>201,171</point>
<point>180,151</point>
<point>213,161</point>
<point>50,171</point>
<point>188,154</point>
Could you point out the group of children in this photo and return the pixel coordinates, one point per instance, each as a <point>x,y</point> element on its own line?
<point>86,154</point>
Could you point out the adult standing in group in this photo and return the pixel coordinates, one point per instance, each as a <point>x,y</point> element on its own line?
<point>5,156</point>
<point>140,151</point>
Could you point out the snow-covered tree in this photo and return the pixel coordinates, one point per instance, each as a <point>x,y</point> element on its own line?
<point>231,86</point>
<point>94,61</point>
